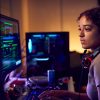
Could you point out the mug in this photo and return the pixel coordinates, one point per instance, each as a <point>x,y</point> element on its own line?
<point>51,77</point>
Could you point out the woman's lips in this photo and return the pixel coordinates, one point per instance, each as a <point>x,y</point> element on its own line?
<point>82,41</point>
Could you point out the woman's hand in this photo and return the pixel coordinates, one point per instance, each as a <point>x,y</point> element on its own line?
<point>52,95</point>
<point>58,95</point>
<point>47,94</point>
<point>50,98</point>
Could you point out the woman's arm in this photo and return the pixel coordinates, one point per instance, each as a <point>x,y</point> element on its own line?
<point>83,96</point>
<point>98,89</point>
<point>64,93</point>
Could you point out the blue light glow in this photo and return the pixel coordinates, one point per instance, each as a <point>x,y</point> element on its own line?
<point>41,59</point>
<point>30,45</point>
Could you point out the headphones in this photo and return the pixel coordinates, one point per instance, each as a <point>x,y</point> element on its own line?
<point>87,59</point>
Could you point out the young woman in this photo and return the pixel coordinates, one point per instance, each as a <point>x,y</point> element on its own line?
<point>89,29</point>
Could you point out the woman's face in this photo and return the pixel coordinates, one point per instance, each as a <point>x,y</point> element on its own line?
<point>89,34</point>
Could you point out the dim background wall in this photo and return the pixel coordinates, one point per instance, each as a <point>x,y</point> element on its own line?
<point>47,15</point>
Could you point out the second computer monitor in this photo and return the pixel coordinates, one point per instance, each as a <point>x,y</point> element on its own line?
<point>47,50</point>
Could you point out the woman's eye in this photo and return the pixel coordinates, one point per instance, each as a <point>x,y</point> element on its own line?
<point>88,29</point>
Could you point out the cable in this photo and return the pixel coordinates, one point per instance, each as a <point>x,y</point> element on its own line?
<point>80,82</point>
<point>82,70</point>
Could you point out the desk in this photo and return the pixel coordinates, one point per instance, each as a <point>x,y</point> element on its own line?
<point>36,85</point>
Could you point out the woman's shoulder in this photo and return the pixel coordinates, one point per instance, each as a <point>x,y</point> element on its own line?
<point>96,61</point>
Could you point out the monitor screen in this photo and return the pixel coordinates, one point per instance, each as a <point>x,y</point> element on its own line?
<point>10,53</point>
<point>47,50</point>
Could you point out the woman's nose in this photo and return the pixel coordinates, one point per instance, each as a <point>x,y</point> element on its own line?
<point>81,34</point>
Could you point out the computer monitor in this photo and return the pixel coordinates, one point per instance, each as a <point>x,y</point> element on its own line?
<point>10,51</point>
<point>47,50</point>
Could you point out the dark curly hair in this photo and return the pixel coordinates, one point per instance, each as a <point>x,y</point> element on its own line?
<point>93,15</point>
